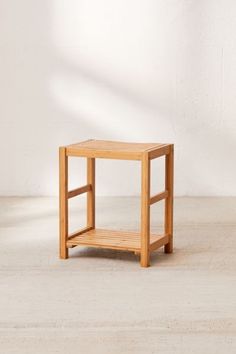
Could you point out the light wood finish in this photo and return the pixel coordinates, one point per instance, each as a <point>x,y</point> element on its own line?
<point>79,232</point>
<point>78,191</point>
<point>120,240</point>
<point>169,185</point>
<point>159,242</point>
<point>158,197</point>
<point>63,176</point>
<point>155,152</point>
<point>114,149</point>
<point>145,211</point>
<point>91,193</point>
<point>142,243</point>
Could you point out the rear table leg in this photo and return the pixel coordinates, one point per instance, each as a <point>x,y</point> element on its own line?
<point>169,177</point>
<point>91,193</point>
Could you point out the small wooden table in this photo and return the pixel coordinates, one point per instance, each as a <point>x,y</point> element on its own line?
<point>139,242</point>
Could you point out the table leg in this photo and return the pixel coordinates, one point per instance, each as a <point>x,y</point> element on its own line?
<point>91,194</point>
<point>145,211</point>
<point>63,176</point>
<point>169,181</point>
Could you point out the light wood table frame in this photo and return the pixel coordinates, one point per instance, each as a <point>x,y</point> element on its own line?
<point>143,242</point>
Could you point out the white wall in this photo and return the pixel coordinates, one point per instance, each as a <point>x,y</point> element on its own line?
<point>138,70</point>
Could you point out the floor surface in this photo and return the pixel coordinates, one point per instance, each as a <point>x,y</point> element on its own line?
<point>101,301</point>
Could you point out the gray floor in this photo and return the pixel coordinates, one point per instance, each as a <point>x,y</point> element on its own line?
<point>101,301</point>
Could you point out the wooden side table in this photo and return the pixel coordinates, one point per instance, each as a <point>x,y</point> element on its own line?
<point>139,242</point>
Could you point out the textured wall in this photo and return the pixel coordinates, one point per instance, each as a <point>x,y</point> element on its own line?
<point>162,71</point>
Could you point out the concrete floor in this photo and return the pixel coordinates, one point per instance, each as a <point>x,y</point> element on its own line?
<point>101,301</point>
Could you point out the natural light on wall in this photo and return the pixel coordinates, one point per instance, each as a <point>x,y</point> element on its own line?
<point>111,73</point>
<point>131,70</point>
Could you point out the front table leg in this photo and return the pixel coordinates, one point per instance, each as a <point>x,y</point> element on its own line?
<point>63,159</point>
<point>145,211</point>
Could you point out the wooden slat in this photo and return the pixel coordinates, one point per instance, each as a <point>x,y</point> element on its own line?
<point>113,239</point>
<point>79,232</point>
<point>107,239</point>
<point>118,155</point>
<point>158,197</point>
<point>78,191</point>
<point>162,241</point>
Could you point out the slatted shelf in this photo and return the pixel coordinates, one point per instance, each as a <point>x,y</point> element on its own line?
<point>120,240</point>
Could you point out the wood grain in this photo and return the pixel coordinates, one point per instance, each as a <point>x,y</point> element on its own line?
<point>77,191</point>
<point>158,197</point>
<point>91,193</point>
<point>114,149</point>
<point>113,239</point>
<point>63,188</point>
<point>141,243</point>
<point>169,185</point>
<point>145,210</point>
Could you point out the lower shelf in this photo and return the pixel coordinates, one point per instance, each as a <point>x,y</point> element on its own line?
<point>120,240</point>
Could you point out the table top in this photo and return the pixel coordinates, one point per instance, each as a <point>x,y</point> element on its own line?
<point>112,149</point>
<point>115,145</point>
